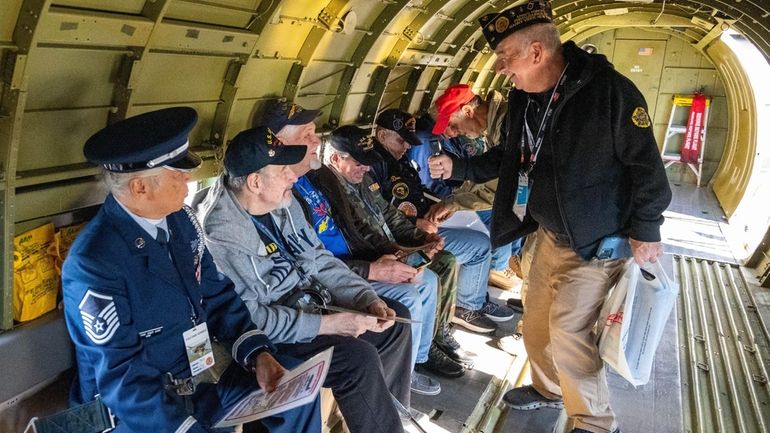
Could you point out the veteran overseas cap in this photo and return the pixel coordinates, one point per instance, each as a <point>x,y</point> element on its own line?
<point>280,112</point>
<point>149,140</point>
<point>403,123</point>
<point>356,141</point>
<point>256,148</point>
<point>497,27</point>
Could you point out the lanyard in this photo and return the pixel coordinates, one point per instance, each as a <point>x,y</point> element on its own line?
<point>282,248</point>
<point>536,142</point>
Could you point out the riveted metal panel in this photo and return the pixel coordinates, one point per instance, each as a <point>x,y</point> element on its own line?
<point>125,6</point>
<point>168,78</point>
<point>62,26</point>
<point>11,9</point>
<point>56,138</point>
<point>200,38</point>
<point>58,198</point>
<point>236,16</point>
<point>81,78</point>
<point>256,82</point>
<point>632,60</point>
<point>201,132</point>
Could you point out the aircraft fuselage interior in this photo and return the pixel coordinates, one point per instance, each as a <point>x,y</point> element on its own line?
<point>69,68</point>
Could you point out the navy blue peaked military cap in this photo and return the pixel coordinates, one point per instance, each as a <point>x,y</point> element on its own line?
<point>356,141</point>
<point>280,112</point>
<point>149,140</point>
<point>497,27</point>
<point>255,148</point>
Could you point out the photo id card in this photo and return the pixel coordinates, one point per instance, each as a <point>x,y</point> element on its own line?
<point>522,196</point>
<point>198,346</point>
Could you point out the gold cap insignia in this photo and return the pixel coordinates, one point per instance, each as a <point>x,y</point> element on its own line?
<point>501,24</point>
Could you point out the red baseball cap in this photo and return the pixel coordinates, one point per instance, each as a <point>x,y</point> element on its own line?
<point>453,98</point>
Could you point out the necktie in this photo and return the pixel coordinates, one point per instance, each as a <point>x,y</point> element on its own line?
<point>162,238</point>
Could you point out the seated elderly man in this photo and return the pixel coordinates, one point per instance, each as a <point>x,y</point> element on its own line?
<point>139,287</point>
<point>400,184</point>
<point>328,209</point>
<point>259,236</point>
<point>374,227</point>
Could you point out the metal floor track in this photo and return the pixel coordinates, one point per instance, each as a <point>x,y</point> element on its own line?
<point>724,350</point>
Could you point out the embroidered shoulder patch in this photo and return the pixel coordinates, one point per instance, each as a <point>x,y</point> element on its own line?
<point>400,190</point>
<point>374,187</point>
<point>641,118</point>
<point>100,317</point>
<point>408,209</point>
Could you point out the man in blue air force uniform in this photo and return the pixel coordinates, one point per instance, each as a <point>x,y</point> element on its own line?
<point>143,299</point>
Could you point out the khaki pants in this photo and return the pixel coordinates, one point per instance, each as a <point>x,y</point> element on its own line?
<point>564,298</point>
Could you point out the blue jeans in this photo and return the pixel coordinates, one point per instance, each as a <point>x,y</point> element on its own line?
<point>420,299</point>
<point>472,250</point>
<point>500,255</point>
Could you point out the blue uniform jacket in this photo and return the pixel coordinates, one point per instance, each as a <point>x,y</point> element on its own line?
<point>126,306</point>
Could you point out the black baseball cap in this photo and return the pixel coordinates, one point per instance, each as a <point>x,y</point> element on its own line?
<point>358,142</point>
<point>280,112</point>
<point>401,122</point>
<point>149,140</point>
<point>256,148</point>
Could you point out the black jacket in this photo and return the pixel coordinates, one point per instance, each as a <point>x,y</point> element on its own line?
<point>400,184</point>
<point>365,247</point>
<point>609,175</point>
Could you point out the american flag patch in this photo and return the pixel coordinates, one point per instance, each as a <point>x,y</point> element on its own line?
<point>645,51</point>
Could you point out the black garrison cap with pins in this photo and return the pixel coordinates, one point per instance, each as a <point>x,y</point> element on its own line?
<point>497,27</point>
<point>358,142</point>
<point>255,148</point>
<point>150,140</point>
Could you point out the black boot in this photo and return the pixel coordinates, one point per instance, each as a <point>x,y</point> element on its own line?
<point>439,363</point>
<point>447,343</point>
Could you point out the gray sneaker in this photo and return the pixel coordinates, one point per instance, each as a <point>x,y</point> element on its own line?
<point>526,398</point>
<point>475,321</point>
<point>425,385</point>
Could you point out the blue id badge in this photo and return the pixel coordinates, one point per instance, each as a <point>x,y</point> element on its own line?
<point>522,196</point>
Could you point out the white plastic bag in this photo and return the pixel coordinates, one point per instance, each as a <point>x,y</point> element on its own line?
<point>633,318</point>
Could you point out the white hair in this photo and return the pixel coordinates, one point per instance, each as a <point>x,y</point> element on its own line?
<point>329,151</point>
<point>545,33</point>
<point>288,133</point>
<point>117,183</point>
<point>236,183</point>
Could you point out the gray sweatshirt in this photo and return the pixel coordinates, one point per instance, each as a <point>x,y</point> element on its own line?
<point>261,278</point>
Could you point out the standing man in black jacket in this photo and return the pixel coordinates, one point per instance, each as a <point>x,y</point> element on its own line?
<point>581,166</point>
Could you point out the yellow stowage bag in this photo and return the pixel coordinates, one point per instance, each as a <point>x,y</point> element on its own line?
<point>35,278</point>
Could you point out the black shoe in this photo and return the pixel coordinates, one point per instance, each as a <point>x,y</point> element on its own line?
<point>515,305</point>
<point>526,398</point>
<point>440,363</point>
<point>444,336</point>
<point>447,343</point>
<point>475,321</point>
